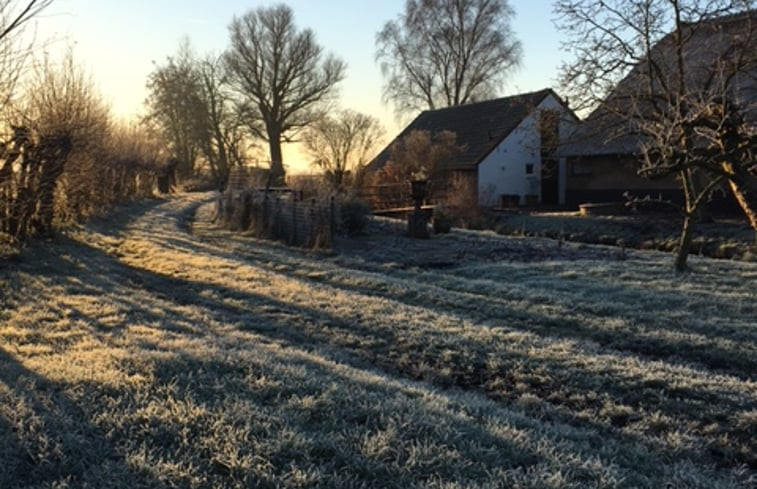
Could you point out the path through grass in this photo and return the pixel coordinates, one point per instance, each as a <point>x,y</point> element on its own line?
<point>155,350</point>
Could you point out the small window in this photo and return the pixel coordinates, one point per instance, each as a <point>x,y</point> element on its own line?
<point>529,168</point>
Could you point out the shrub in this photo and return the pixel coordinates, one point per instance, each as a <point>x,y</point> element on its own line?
<point>442,220</point>
<point>462,204</point>
<point>354,215</point>
<point>199,183</point>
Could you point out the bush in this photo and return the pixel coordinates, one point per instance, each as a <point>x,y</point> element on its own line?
<point>442,220</point>
<point>354,215</point>
<point>462,204</point>
<point>202,183</point>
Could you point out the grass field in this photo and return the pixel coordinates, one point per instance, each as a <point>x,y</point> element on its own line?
<point>151,349</point>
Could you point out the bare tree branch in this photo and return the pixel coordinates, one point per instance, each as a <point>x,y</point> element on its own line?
<point>440,53</point>
<point>14,16</point>
<point>675,80</point>
<point>343,144</point>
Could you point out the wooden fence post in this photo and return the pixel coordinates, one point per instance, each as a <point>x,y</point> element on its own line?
<point>265,218</point>
<point>294,218</point>
<point>277,214</point>
<point>313,225</point>
<point>332,219</point>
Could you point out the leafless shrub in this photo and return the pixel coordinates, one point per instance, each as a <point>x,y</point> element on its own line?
<point>63,158</point>
<point>461,202</point>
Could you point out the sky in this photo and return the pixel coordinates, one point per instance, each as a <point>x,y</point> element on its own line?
<point>118,42</point>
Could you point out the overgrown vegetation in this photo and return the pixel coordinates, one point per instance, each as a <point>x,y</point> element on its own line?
<point>153,350</point>
<point>63,158</point>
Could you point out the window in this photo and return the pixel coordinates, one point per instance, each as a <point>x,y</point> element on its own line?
<point>529,168</point>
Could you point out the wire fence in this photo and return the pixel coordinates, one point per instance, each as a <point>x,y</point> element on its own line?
<point>282,215</point>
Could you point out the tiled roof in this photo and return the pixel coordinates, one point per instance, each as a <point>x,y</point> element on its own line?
<point>605,132</point>
<point>479,127</point>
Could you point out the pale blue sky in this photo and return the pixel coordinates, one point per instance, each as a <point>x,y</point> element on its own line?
<point>118,40</point>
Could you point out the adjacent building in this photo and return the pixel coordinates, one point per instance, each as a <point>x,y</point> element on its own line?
<point>603,156</point>
<point>509,147</point>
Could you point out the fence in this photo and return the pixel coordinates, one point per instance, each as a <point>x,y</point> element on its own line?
<point>245,178</point>
<point>387,196</point>
<point>283,216</point>
<point>29,173</point>
<point>397,196</point>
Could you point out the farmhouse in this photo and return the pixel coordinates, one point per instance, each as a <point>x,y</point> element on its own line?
<point>603,155</point>
<point>509,147</point>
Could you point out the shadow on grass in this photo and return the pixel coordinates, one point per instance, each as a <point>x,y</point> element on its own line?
<point>48,439</point>
<point>485,305</point>
<point>161,301</point>
<point>211,382</point>
<point>369,344</point>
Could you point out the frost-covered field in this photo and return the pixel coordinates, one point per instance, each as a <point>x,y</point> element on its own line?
<point>154,350</point>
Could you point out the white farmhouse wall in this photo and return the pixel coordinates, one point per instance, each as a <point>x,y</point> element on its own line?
<point>503,171</point>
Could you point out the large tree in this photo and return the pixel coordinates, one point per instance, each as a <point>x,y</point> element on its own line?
<point>677,81</point>
<point>175,104</point>
<point>441,53</point>
<point>343,144</point>
<point>222,140</point>
<point>281,75</point>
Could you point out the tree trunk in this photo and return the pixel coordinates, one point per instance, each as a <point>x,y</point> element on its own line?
<point>682,253</point>
<point>744,189</point>
<point>277,162</point>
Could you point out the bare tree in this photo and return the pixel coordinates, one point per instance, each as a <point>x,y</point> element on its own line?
<point>281,76</point>
<point>676,80</point>
<point>343,144</point>
<point>176,105</point>
<point>223,142</point>
<point>420,155</point>
<point>441,53</point>
<point>190,101</point>
<point>14,16</point>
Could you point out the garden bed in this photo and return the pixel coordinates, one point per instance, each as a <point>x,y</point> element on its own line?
<point>722,238</point>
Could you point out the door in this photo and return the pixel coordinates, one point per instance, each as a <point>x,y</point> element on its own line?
<point>550,182</point>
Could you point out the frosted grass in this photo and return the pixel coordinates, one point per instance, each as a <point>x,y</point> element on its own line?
<point>153,349</point>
